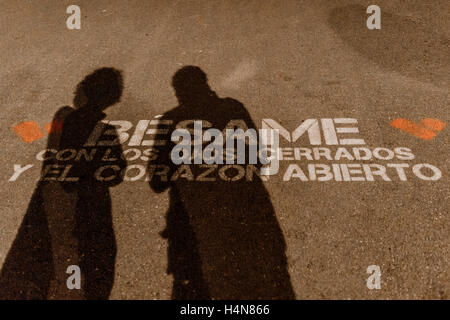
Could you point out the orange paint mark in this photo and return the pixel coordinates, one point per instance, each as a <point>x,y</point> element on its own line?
<point>426,130</point>
<point>29,131</point>
<point>433,124</point>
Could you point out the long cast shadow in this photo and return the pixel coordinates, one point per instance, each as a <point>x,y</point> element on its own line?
<point>69,222</point>
<point>224,240</point>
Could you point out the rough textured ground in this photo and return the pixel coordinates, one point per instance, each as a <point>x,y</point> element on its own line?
<point>285,60</point>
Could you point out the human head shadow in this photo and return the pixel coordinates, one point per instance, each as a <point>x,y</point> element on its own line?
<point>224,240</point>
<point>69,222</point>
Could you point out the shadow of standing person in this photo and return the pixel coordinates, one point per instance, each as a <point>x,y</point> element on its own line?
<point>224,240</point>
<point>69,220</point>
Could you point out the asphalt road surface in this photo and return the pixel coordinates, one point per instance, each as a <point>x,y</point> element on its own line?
<point>283,60</point>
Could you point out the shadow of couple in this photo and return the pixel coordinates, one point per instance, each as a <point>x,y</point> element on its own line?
<point>224,240</point>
